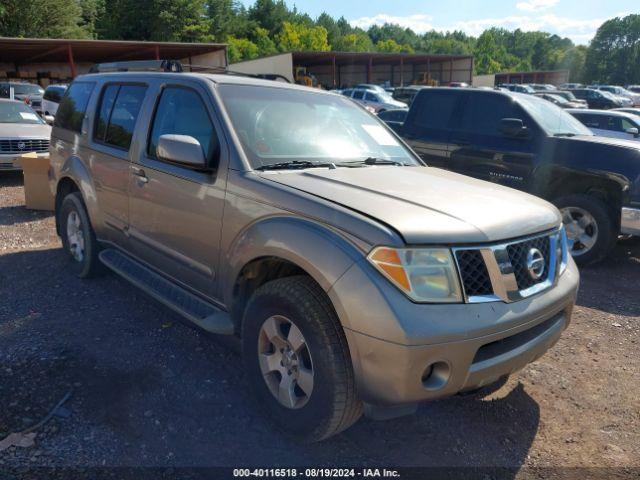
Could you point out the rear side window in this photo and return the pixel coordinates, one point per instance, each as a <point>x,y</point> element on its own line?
<point>181,111</point>
<point>358,94</point>
<point>371,97</point>
<point>119,108</point>
<point>73,106</point>
<point>484,111</point>
<point>435,109</point>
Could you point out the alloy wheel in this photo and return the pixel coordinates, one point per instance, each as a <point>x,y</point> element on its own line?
<point>582,230</point>
<point>75,236</point>
<point>285,362</point>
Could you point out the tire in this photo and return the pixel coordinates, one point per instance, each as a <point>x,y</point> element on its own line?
<point>78,239</point>
<point>601,226</point>
<point>332,404</point>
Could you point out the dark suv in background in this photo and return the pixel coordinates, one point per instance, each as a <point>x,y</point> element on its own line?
<point>528,143</point>
<point>596,99</point>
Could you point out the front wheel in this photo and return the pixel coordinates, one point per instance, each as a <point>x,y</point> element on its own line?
<point>78,237</point>
<point>590,229</point>
<point>297,359</point>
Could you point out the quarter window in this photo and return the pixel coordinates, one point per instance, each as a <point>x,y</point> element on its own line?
<point>180,111</point>
<point>73,106</point>
<point>119,109</point>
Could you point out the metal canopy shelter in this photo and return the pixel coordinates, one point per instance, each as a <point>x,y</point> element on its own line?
<point>340,59</point>
<point>23,51</point>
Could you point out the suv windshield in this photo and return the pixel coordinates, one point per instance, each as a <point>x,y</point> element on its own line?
<point>551,118</point>
<point>18,112</point>
<point>277,125</point>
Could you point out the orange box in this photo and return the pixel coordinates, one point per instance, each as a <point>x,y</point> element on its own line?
<point>37,195</point>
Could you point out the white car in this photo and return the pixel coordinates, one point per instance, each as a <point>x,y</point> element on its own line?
<point>609,123</point>
<point>21,131</point>
<point>51,98</point>
<point>379,101</point>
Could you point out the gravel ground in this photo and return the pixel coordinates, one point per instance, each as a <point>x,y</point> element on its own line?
<point>147,390</point>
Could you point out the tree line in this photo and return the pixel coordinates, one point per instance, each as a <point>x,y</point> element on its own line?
<point>270,26</point>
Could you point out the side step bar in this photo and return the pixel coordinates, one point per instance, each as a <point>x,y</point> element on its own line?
<point>204,314</point>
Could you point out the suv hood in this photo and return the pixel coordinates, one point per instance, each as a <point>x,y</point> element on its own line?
<point>427,205</point>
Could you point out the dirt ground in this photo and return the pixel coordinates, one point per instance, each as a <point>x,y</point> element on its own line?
<point>147,390</point>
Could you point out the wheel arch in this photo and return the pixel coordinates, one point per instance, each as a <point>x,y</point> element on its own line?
<point>279,247</point>
<point>74,176</point>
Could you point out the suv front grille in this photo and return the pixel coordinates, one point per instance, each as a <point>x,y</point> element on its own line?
<point>23,145</point>
<point>518,256</point>
<point>500,272</point>
<point>474,273</point>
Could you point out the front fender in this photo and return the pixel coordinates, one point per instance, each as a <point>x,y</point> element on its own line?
<point>74,169</point>
<point>323,252</point>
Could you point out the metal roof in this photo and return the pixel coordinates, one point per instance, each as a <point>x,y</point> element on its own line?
<point>45,50</point>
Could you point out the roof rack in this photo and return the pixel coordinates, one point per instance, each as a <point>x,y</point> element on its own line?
<point>138,66</point>
<point>174,66</point>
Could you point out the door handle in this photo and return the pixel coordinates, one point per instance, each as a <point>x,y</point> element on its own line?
<point>138,172</point>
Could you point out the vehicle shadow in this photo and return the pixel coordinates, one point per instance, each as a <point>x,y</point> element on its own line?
<point>612,285</point>
<point>11,179</point>
<point>20,214</point>
<point>147,390</point>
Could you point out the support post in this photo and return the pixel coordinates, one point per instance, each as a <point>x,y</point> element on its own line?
<point>401,71</point>
<point>157,52</point>
<point>72,65</point>
<point>333,71</point>
<point>369,67</point>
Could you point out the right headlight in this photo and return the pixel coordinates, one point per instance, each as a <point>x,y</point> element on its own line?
<point>423,274</point>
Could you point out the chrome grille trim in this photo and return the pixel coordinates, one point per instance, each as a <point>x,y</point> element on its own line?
<point>10,145</point>
<point>501,270</point>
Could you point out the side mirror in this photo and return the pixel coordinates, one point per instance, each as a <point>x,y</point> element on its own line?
<point>633,131</point>
<point>513,127</point>
<point>49,119</point>
<point>181,149</point>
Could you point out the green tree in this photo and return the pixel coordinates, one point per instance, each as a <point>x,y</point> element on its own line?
<point>391,46</point>
<point>357,41</point>
<point>300,37</point>
<point>161,20</point>
<point>241,49</point>
<point>614,54</point>
<point>228,17</point>
<point>573,60</point>
<point>270,14</point>
<point>331,26</point>
<point>42,19</point>
<point>265,45</point>
<point>485,53</point>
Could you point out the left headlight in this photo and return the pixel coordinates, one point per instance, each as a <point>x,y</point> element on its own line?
<point>562,251</point>
<point>423,274</point>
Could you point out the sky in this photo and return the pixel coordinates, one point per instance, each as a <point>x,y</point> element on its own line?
<point>576,19</point>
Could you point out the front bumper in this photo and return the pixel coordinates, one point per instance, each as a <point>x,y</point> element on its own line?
<point>8,161</point>
<point>630,221</point>
<point>446,348</point>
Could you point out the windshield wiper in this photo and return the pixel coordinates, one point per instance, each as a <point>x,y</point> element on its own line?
<point>377,161</point>
<point>295,164</point>
<point>565,134</point>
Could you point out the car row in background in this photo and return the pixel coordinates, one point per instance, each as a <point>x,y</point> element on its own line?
<point>610,123</point>
<point>376,98</point>
<point>43,101</point>
<point>561,100</point>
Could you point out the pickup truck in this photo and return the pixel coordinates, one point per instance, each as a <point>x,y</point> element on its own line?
<point>527,143</point>
<point>356,278</point>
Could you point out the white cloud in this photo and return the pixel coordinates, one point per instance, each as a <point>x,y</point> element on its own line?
<point>536,5</point>
<point>580,31</point>
<point>418,23</point>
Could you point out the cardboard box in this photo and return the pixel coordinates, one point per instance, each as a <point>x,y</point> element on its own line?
<point>37,195</point>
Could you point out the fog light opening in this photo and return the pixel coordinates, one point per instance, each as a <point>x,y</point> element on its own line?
<point>436,375</point>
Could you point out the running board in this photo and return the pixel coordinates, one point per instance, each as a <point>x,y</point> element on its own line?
<point>193,308</point>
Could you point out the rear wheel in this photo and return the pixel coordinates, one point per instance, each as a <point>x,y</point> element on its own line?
<point>297,359</point>
<point>590,228</point>
<point>78,237</point>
